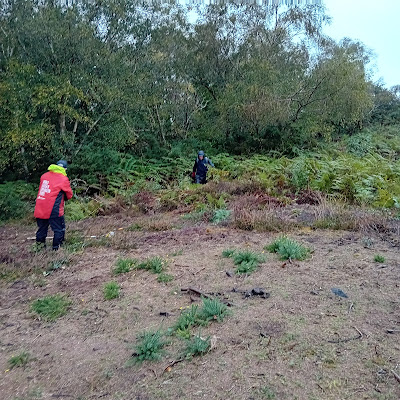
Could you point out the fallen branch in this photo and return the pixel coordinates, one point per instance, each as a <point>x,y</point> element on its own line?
<point>395,375</point>
<point>170,365</point>
<point>360,335</point>
<point>196,291</point>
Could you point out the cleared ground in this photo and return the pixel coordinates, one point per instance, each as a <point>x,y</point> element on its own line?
<point>303,342</point>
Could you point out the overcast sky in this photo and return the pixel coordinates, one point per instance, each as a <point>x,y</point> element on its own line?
<point>376,23</point>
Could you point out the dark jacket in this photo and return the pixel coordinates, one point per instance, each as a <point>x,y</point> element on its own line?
<point>54,185</point>
<point>200,166</point>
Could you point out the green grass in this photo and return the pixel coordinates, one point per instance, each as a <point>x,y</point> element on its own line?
<point>20,360</point>
<point>288,249</point>
<point>197,346</point>
<point>214,310</point>
<point>379,258</point>
<point>149,347</point>
<point>247,261</point>
<point>221,215</point>
<point>228,253</point>
<point>50,308</point>
<point>155,265</point>
<point>188,318</point>
<point>124,265</point>
<point>111,290</point>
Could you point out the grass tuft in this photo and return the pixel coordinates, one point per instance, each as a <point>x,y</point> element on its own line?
<point>149,347</point>
<point>155,265</point>
<point>214,309</point>
<point>51,307</point>
<point>288,249</point>
<point>124,265</point>
<point>165,278</point>
<point>197,346</point>
<point>20,360</point>
<point>247,261</point>
<point>111,290</point>
<point>379,258</point>
<point>228,253</point>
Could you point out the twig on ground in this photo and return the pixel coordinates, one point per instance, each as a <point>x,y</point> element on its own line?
<point>196,272</point>
<point>395,375</point>
<point>360,335</point>
<point>195,291</point>
<point>171,364</point>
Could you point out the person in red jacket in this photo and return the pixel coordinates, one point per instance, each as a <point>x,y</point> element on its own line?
<point>49,210</point>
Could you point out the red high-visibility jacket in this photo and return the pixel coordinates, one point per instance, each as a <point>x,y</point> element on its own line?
<point>54,185</point>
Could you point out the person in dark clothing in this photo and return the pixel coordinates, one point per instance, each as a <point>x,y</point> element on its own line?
<point>200,168</point>
<point>49,209</point>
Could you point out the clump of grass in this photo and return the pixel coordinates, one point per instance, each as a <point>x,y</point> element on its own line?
<point>187,319</point>
<point>149,347</point>
<point>155,265</point>
<point>228,253</point>
<point>288,249</point>
<point>55,265</point>
<point>214,309</point>
<point>165,278</point>
<point>111,290</point>
<point>124,265</point>
<point>51,307</point>
<point>75,242</point>
<point>20,360</point>
<point>247,261</point>
<point>379,258</point>
<point>197,346</point>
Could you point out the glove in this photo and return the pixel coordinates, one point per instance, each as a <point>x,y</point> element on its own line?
<point>193,174</point>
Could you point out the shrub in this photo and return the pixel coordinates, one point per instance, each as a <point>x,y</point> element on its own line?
<point>220,215</point>
<point>149,347</point>
<point>288,249</point>
<point>51,307</point>
<point>124,265</point>
<point>111,290</point>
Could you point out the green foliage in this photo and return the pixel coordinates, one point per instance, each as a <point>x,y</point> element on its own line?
<point>379,258</point>
<point>20,360</point>
<point>76,210</point>
<point>50,308</point>
<point>74,242</point>
<point>188,318</point>
<point>197,346</point>
<point>149,347</point>
<point>154,264</point>
<point>247,261</point>
<point>214,309</point>
<point>16,199</point>
<point>111,290</point>
<point>124,265</point>
<point>54,265</point>
<point>288,249</point>
<point>228,253</point>
<point>220,215</point>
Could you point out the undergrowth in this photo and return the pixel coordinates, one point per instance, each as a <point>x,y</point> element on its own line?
<point>50,308</point>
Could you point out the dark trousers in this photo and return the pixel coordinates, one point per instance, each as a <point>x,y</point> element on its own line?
<point>201,179</point>
<point>58,227</point>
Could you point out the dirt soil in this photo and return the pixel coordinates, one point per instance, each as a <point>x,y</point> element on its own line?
<point>303,342</point>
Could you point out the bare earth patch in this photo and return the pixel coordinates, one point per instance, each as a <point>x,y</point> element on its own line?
<point>302,342</point>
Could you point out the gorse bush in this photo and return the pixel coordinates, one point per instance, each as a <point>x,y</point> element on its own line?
<point>288,249</point>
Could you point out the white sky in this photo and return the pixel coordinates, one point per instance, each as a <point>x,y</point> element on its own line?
<point>376,23</point>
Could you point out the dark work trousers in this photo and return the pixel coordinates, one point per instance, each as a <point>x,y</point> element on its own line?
<point>57,225</point>
<point>201,179</point>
